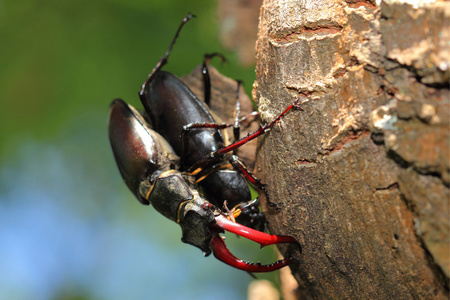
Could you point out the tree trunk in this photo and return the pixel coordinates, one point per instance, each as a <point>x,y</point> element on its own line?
<point>362,174</point>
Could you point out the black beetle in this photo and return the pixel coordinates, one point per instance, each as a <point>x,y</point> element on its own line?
<point>169,178</point>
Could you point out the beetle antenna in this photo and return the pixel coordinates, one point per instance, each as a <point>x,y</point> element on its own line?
<point>163,60</point>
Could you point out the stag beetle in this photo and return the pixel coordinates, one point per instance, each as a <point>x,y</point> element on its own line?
<point>174,150</point>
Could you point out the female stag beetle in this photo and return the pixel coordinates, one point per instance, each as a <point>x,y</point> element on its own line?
<point>174,157</point>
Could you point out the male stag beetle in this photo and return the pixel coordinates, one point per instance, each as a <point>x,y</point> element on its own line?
<point>174,157</point>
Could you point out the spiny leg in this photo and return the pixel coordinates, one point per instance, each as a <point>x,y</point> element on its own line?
<point>215,156</point>
<point>242,168</point>
<point>259,132</point>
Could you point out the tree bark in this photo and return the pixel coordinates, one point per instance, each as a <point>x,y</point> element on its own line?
<point>362,174</point>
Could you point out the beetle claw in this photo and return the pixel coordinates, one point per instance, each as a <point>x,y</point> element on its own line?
<point>264,239</point>
<point>222,253</point>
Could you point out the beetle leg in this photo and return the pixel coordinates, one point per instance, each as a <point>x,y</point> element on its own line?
<point>222,253</point>
<point>264,239</point>
<point>237,210</point>
<point>241,206</point>
<point>191,126</point>
<point>215,156</point>
<point>242,168</point>
<point>212,170</point>
<point>230,213</point>
<point>259,132</point>
<point>253,114</point>
<point>205,73</point>
<point>237,112</point>
<point>163,60</point>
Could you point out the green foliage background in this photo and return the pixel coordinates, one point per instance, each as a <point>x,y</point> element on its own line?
<point>63,58</point>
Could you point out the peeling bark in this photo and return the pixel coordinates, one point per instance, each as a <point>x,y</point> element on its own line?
<point>362,174</point>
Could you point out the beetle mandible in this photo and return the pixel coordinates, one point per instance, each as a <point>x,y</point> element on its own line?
<point>165,154</point>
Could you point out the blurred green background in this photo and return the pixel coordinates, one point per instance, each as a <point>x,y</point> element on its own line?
<point>69,228</point>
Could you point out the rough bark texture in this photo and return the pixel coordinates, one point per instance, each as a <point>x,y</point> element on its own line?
<point>362,174</point>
